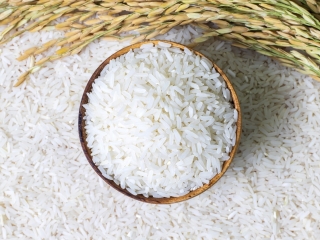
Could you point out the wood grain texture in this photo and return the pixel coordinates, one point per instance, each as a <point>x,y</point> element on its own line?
<point>87,151</point>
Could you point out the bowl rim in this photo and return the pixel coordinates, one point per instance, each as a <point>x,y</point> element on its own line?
<point>140,197</point>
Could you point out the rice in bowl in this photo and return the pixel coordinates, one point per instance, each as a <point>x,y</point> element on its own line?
<point>160,121</point>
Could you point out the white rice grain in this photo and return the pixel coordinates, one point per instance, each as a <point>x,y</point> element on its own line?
<point>158,107</point>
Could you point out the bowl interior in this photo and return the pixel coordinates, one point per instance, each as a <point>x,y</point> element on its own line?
<point>87,151</point>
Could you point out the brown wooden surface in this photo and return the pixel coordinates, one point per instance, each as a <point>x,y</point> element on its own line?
<point>87,151</point>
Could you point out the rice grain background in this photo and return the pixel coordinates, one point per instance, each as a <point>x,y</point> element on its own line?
<point>49,191</point>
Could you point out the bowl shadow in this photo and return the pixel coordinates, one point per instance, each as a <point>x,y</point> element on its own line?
<point>264,101</point>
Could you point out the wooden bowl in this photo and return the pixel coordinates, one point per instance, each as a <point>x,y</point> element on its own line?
<point>87,151</point>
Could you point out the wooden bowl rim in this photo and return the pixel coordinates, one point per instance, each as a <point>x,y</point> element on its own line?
<point>140,197</point>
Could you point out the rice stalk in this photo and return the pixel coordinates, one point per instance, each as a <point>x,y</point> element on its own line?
<point>266,26</point>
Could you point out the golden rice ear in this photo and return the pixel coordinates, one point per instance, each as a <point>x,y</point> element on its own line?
<point>253,25</point>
